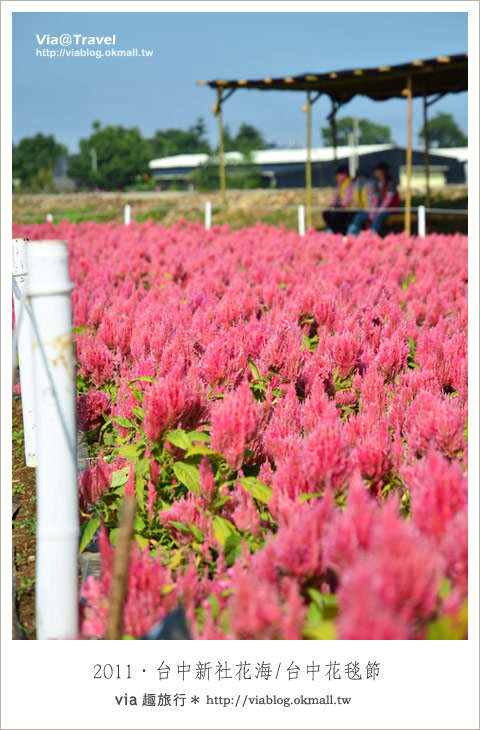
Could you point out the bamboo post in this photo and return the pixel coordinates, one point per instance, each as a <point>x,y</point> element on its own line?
<point>333,124</point>
<point>221,148</point>
<point>408,193</point>
<point>308,166</point>
<point>121,560</point>
<point>427,157</point>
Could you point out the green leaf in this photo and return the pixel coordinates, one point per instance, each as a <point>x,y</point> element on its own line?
<point>205,450</point>
<point>124,422</point>
<point>138,524</point>
<point>325,630</point>
<point>179,438</point>
<point>142,541</point>
<point>143,379</point>
<point>132,452</point>
<point>223,528</point>
<point>197,533</point>
<point>199,436</point>
<point>139,412</point>
<point>114,535</point>
<point>256,488</point>
<point>140,491</point>
<point>181,527</point>
<point>142,467</point>
<point>88,531</point>
<point>232,549</point>
<point>307,496</point>
<point>213,600</point>
<point>120,477</point>
<point>188,475</point>
<point>254,369</point>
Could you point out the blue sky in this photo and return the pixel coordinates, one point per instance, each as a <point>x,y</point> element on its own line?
<point>63,96</point>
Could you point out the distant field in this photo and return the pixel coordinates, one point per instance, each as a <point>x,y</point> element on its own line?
<point>245,207</point>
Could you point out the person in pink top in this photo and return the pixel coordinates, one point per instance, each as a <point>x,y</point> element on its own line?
<point>338,217</point>
<point>387,194</point>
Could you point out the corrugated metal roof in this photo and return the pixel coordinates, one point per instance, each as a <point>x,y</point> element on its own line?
<point>269,157</point>
<point>440,75</point>
<point>293,156</point>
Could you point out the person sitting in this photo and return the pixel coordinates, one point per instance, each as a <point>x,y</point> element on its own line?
<point>387,194</point>
<point>365,196</point>
<point>337,216</point>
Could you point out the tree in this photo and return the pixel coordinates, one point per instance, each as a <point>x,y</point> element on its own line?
<point>33,160</point>
<point>168,142</point>
<point>247,139</point>
<point>368,132</point>
<point>110,158</point>
<point>443,131</point>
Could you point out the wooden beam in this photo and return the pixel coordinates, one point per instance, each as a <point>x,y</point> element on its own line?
<point>427,156</point>
<point>408,193</point>
<point>308,166</point>
<point>221,148</point>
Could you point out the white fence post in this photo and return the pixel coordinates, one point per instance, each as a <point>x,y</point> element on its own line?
<point>127,214</point>
<point>208,215</point>
<point>422,221</point>
<point>24,346</point>
<point>49,288</point>
<point>301,220</point>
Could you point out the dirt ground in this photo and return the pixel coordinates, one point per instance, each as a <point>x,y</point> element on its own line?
<point>23,526</point>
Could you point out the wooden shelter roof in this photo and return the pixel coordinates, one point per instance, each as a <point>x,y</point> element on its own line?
<point>441,75</point>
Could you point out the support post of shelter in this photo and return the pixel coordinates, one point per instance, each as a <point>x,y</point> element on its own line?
<point>333,124</point>
<point>427,158</point>
<point>408,192</point>
<point>308,166</point>
<point>221,148</point>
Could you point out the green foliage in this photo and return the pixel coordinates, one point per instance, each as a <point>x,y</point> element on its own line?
<point>452,628</point>
<point>179,475</point>
<point>321,613</point>
<point>368,132</point>
<point>168,142</point>
<point>241,175</point>
<point>111,158</point>
<point>247,139</point>
<point>443,131</point>
<point>33,159</point>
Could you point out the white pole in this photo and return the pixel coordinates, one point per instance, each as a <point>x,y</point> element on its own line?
<point>351,159</point>
<point>208,215</point>
<point>127,214</point>
<point>422,221</point>
<point>49,288</point>
<point>301,220</point>
<point>356,137</point>
<point>24,345</point>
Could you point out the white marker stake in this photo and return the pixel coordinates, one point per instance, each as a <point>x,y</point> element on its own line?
<point>422,221</point>
<point>49,288</point>
<point>208,215</point>
<point>24,345</point>
<point>127,214</point>
<point>301,220</point>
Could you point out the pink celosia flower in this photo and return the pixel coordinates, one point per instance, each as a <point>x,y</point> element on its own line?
<point>91,407</point>
<point>235,422</point>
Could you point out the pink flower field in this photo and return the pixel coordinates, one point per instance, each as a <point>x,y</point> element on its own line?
<point>291,414</point>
